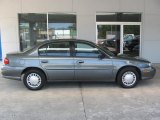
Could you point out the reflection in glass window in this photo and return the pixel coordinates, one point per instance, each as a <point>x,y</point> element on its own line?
<point>131,40</point>
<point>61,49</point>
<point>86,50</point>
<point>32,29</point>
<point>109,37</point>
<point>108,31</point>
<point>62,26</point>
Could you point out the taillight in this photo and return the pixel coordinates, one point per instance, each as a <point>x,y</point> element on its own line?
<point>6,61</point>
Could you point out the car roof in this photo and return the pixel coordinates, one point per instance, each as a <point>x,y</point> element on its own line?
<point>62,40</point>
<point>58,40</point>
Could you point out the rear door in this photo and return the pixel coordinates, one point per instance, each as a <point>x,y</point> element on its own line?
<point>56,59</point>
<point>88,65</point>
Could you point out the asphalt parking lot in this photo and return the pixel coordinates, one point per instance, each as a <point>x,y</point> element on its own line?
<point>80,101</point>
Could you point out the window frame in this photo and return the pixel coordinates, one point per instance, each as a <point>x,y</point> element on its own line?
<point>119,16</point>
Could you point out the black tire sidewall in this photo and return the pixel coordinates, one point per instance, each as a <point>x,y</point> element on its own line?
<point>41,74</point>
<point>120,74</point>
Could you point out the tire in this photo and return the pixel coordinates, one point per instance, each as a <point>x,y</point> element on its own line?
<point>128,77</point>
<point>34,79</point>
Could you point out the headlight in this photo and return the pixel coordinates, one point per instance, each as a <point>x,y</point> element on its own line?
<point>145,65</point>
<point>149,64</point>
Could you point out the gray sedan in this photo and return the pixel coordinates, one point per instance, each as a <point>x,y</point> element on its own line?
<point>74,60</point>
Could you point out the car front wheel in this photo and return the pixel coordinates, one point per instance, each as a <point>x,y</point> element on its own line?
<point>128,77</point>
<point>34,79</point>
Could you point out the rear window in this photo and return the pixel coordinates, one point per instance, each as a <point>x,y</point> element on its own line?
<point>55,49</point>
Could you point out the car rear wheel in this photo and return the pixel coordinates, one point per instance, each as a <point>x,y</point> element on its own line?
<point>128,77</point>
<point>34,79</point>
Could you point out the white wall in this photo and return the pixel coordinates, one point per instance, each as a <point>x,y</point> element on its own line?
<point>86,19</point>
<point>9,25</point>
<point>151,31</point>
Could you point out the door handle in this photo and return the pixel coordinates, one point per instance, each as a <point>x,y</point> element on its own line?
<point>80,61</point>
<point>44,61</point>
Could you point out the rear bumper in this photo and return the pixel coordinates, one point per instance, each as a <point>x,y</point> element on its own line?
<point>148,73</point>
<point>11,72</point>
<point>12,77</point>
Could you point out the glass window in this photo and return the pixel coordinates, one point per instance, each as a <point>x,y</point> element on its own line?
<point>109,37</point>
<point>62,26</point>
<point>118,17</point>
<point>131,40</point>
<point>32,29</point>
<point>59,49</point>
<point>86,50</point>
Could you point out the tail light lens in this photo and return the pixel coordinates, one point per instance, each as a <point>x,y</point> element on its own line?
<point>6,61</point>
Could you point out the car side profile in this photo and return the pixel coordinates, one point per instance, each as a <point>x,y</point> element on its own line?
<point>74,60</point>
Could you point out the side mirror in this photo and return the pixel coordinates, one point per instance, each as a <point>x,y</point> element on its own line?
<point>101,56</point>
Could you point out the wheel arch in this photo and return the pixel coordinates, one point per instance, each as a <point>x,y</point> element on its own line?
<point>129,66</point>
<point>34,68</point>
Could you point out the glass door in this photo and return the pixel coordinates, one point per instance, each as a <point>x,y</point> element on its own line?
<point>120,37</point>
<point>108,36</point>
<point>131,39</point>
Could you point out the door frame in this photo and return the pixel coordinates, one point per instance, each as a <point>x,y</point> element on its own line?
<point>121,31</point>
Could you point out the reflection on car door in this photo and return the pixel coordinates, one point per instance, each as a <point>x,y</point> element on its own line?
<point>56,59</point>
<point>88,66</point>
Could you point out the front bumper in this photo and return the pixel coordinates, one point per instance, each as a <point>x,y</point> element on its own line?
<point>11,72</point>
<point>148,73</point>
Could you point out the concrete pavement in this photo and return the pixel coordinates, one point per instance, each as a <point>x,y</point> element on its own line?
<point>80,101</point>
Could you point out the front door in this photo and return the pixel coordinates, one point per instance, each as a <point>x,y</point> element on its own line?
<point>56,59</point>
<point>88,65</point>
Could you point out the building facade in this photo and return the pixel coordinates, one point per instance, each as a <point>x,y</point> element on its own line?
<point>24,23</point>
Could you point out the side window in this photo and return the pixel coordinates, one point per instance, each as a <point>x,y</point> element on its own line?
<point>42,50</point>
<point>59,49</point>
<point>86,50</point>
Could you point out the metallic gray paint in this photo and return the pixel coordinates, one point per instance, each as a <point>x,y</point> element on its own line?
<point>93,69</point>
<point>58,68</point>
<point>73,68</point>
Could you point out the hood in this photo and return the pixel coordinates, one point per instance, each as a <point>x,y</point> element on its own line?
<point>138,59</point>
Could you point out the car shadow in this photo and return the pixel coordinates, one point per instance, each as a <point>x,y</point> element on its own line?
<point>91,84</point>
<point>66,85</point>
